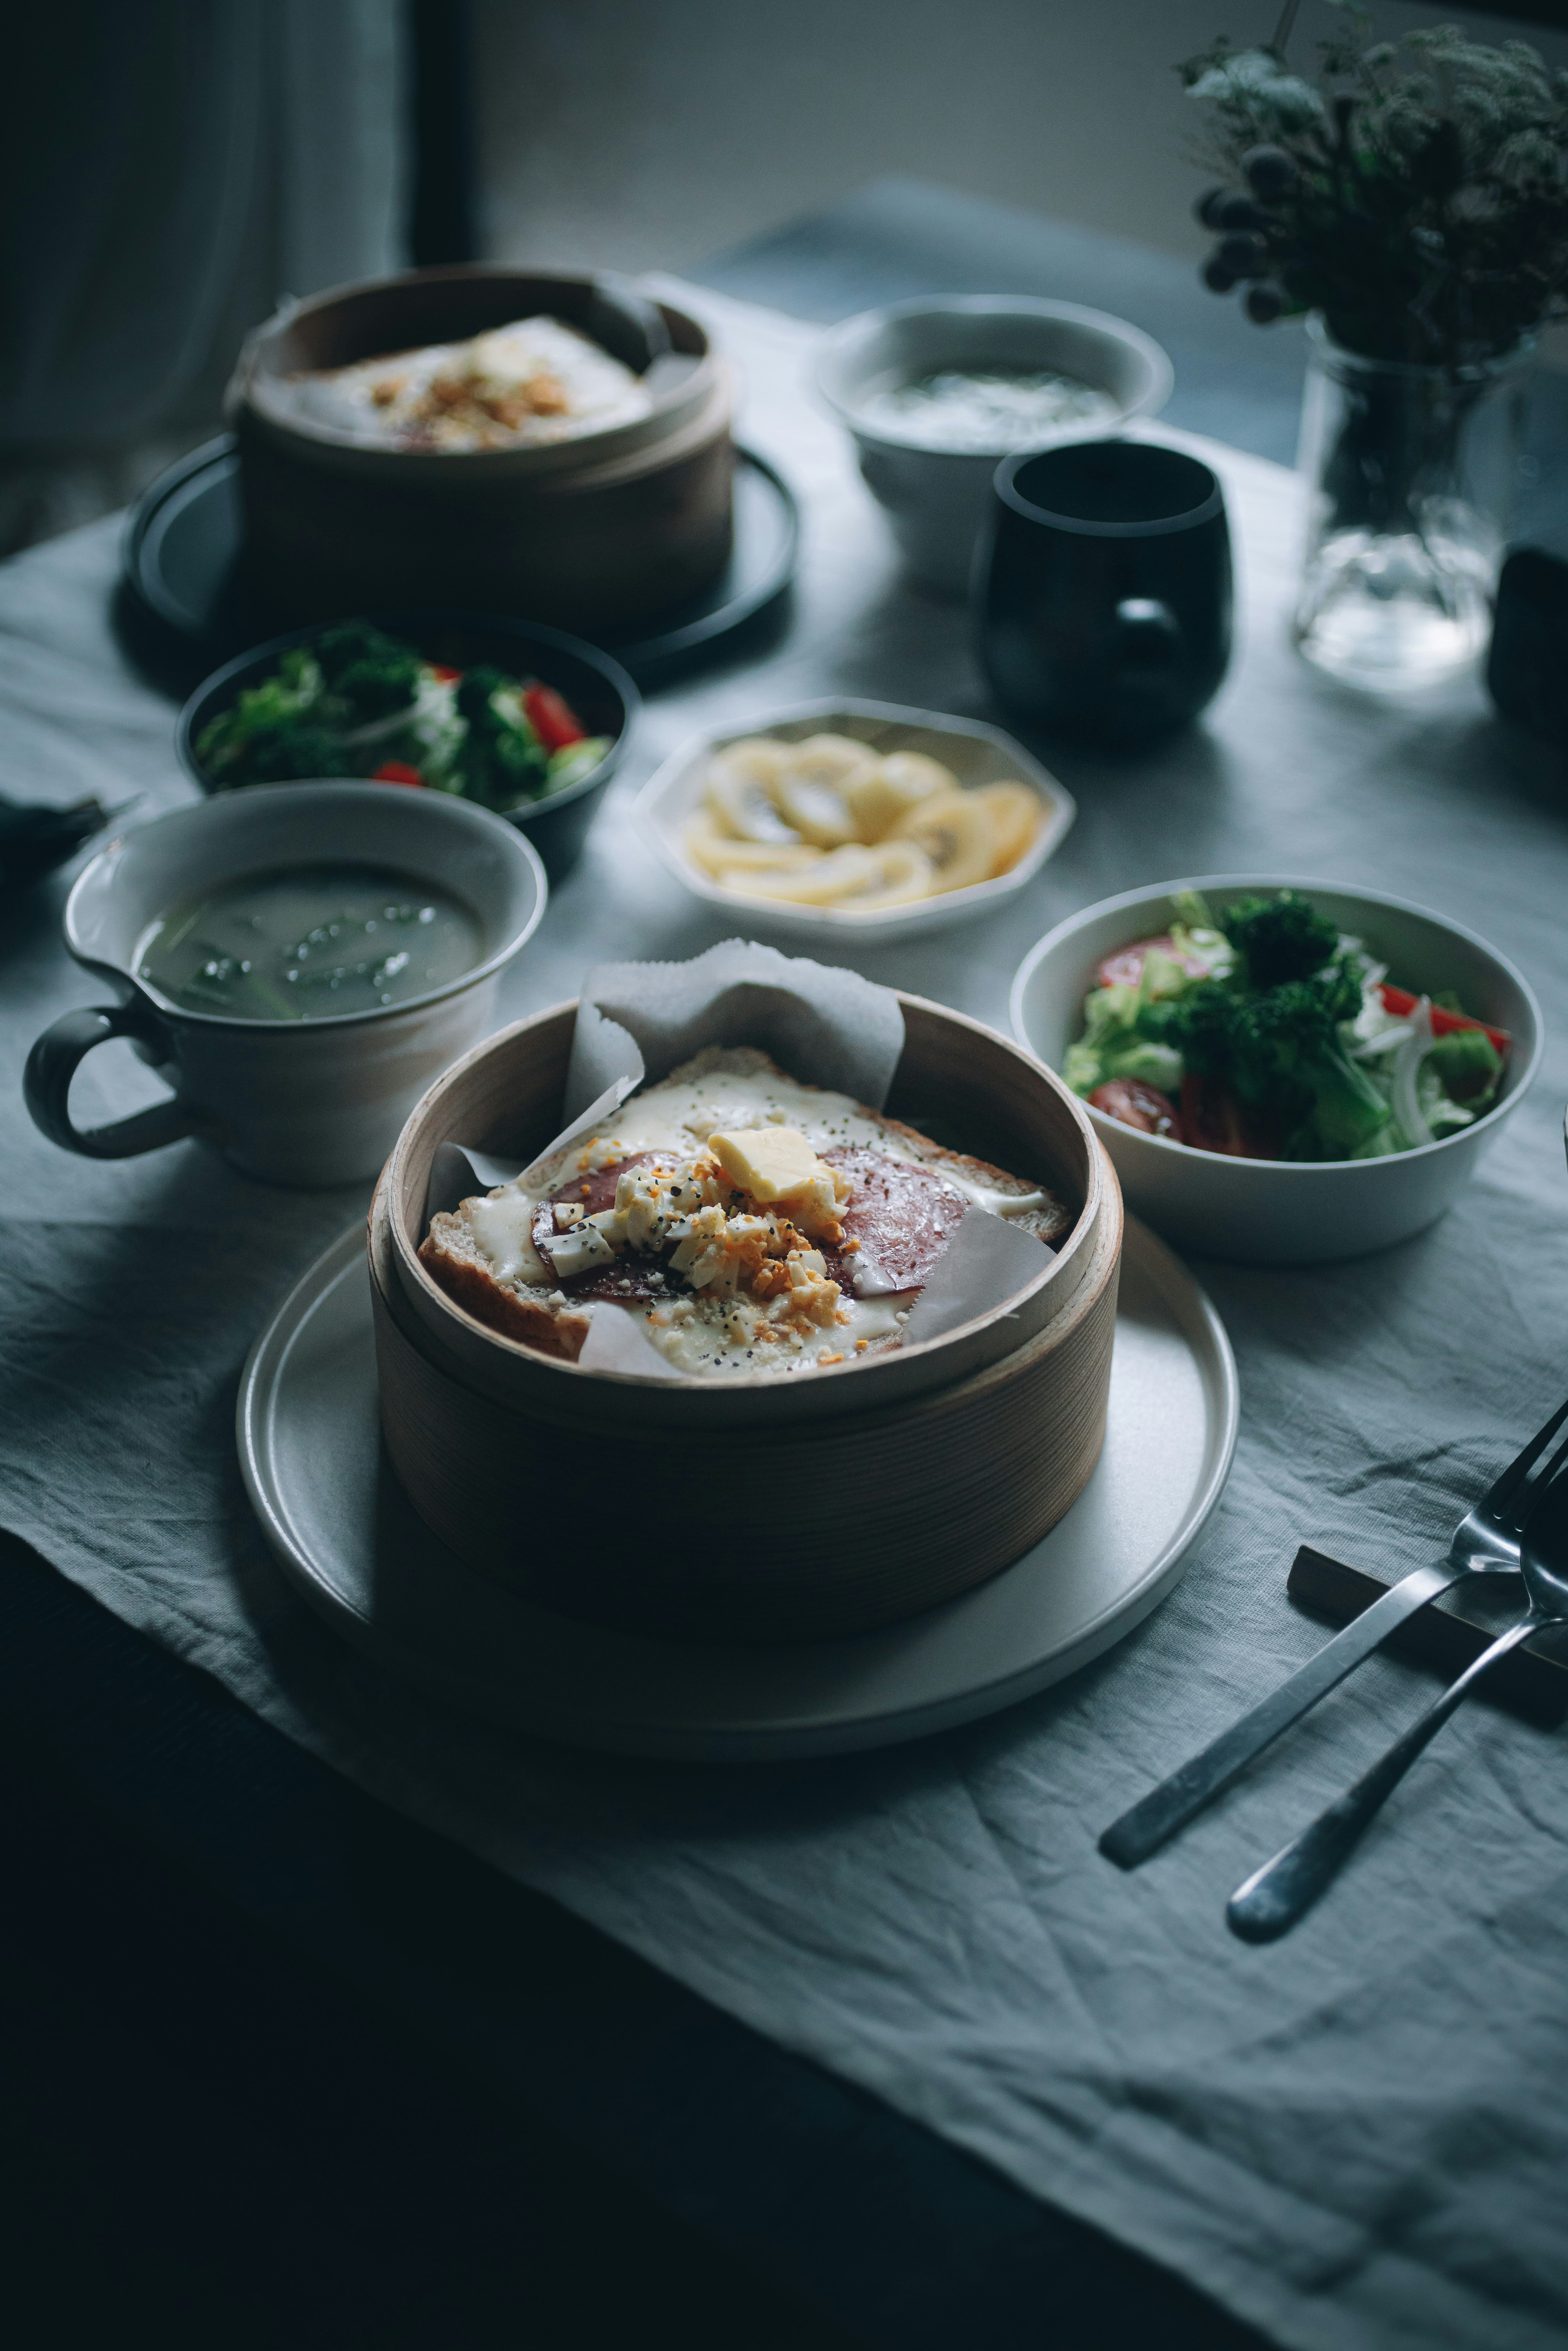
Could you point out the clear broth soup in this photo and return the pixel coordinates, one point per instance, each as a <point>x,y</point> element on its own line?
<point>310,943</point>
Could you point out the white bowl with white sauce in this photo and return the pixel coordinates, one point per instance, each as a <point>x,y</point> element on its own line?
<point>938,390</point>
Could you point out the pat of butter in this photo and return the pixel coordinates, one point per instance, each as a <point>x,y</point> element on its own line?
<point>771,1163</point>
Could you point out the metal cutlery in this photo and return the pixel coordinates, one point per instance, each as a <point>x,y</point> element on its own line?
<point>1485,1542</point>
<point>1275,1896</point>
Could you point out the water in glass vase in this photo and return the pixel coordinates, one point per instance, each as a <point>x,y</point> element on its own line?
<point>310,943</point>
<point>1410,472</point>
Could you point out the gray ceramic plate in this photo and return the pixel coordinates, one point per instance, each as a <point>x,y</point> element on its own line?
<point>311,1451</point>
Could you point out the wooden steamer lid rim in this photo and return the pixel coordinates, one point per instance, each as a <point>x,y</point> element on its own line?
<point>683,415</point>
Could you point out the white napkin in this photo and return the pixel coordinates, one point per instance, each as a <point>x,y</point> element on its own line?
<point>829,1027</point>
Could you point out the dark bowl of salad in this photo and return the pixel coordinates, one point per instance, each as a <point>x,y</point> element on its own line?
<point>517,717</point>
<point>1282,1073</point>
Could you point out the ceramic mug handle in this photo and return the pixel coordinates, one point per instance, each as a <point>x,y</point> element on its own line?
<point>53,1064</point>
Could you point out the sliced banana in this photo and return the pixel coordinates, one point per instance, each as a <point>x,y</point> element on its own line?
<point>1015,812</point>
<point>906,874</point>
<point>718,854</point>
<point>763,757</point>
<point>739,802</point>
<point>834,873</point>
<point>856,880</point>
<point>883,793</point>
<point>957,833</point>
<point>817,811</point>
<point>832,759</point>
<point>915,776</point>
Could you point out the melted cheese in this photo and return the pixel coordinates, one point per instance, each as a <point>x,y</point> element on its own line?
<point>728,1091</point>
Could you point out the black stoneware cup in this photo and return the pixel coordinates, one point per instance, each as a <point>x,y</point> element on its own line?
<point>1102,589</point>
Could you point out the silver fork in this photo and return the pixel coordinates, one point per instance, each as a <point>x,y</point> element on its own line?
<point>1275,1896</point>
<point>1485,1542</point>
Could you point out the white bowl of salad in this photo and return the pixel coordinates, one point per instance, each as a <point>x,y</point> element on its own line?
<point>1282,1072</point>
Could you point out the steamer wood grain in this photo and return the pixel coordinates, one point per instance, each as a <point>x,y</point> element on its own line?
<point>592,534</point>
<point>771,1533</point>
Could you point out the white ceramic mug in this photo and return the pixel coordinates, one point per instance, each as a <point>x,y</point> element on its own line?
<point>294,1101</point>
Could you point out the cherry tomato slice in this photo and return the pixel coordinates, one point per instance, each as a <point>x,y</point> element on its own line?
<point>1213,1120</point>
<point>551,718</point>
<point>1125,968</point>
<point>396,771</point>
<point>1132,1102</point>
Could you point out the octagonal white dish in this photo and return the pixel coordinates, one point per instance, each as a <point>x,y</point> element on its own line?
<point>976,753</point>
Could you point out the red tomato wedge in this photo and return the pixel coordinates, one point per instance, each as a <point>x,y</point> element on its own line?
<point>1131,1101</point>
<point>1399,1001</point>
<point>396,771</point>
<point>1125,968</point>
<point>552,720</point>
<point>443,676</point>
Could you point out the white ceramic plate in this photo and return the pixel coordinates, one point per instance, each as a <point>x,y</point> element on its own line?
<point>976,754</point>
<point>311,1451</point>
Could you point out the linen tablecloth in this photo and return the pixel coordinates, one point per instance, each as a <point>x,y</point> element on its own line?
<point>1354,2137</point>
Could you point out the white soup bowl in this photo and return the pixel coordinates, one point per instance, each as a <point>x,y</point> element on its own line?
<point>294,1101</point>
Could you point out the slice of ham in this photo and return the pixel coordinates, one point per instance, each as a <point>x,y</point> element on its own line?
<point>903,1215</point>
<point>631,1275</point>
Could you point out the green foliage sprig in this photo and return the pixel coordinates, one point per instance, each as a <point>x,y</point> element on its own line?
<point>1416,192</point>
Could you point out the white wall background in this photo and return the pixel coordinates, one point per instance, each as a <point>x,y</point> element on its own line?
<point>644,134</point>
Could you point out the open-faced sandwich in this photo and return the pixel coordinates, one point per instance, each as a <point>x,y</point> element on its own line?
<point>749,1222</point>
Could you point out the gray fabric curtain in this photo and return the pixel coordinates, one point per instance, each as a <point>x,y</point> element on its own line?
<point>175,166</point>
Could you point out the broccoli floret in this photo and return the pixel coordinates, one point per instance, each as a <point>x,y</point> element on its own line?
<point>1207,1025</point>
<point>1293,1057</point>
<point>372,673</point>
<point>250,742</point>
<point>1280,938</point>
<point>475,690</point>
<point>293,753</point>
<point>500,760</point>
<point>1278,1051</point>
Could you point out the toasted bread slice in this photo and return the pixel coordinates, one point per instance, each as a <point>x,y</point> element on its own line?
<point>483,1253</point>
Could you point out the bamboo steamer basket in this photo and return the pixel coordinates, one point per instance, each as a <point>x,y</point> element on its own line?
<point>593,535</point>
<point>749,1508</point>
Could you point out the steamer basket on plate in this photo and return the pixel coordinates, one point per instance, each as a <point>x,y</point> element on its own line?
<point>749,1508</point>
<point>592,533</point>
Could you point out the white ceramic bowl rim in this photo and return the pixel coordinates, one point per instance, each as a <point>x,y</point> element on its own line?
<point>1038,307</point>
<point>1516,1083</point>
<point>516,844</point>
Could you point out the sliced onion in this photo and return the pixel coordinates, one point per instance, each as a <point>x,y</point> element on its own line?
<point>1408,1112</point>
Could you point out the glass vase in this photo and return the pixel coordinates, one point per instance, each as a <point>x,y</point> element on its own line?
<point>1411,473</point>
